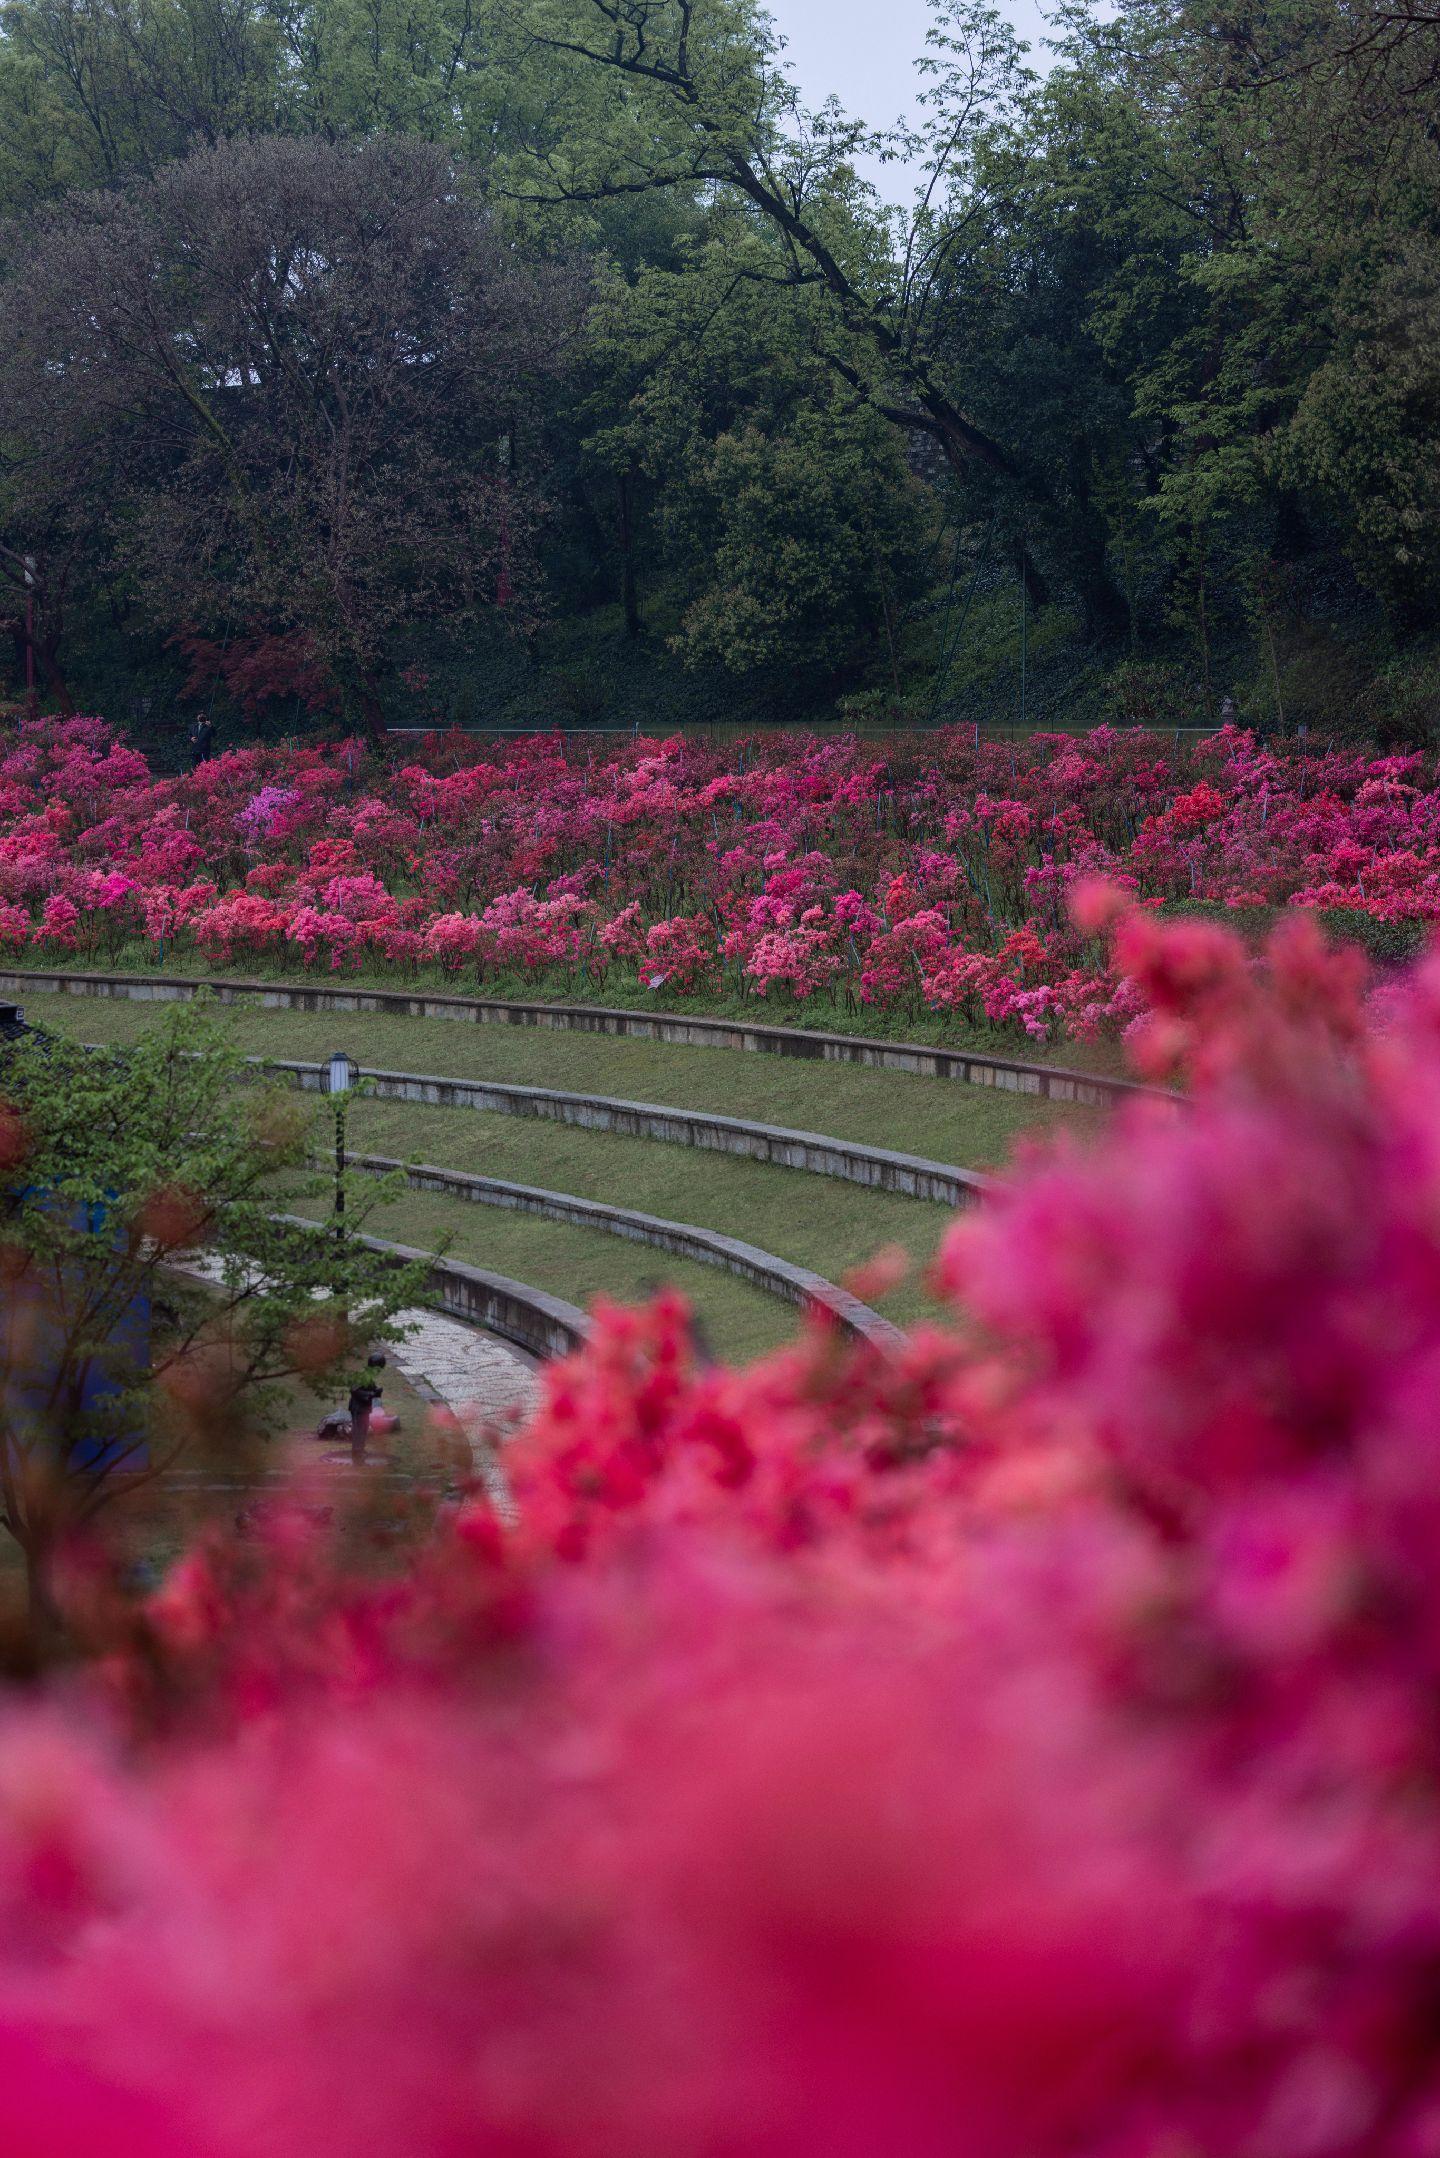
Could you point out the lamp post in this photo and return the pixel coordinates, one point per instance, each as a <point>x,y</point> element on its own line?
<point>340,1075</point>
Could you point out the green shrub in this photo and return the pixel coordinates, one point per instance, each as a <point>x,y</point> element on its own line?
<point>1386,943</point>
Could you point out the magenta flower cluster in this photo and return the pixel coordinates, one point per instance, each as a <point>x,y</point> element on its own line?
<point>933,875</point>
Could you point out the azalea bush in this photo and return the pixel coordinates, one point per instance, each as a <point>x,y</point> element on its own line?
<point>1022,1742</point>
<point>933,877</point>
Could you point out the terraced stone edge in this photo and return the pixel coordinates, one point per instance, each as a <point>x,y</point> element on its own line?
<point>1048,1082</point>
<point>533,1319</point>
<point>763,1270</point>
<point>877,1168</point>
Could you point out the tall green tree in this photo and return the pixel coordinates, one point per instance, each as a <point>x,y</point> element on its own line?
<point>779,511</point>
<point>1285,384</point>
<point>702,102</point>
<point>1160,325</point>
<point>301,379</point>
<point>96,92</point>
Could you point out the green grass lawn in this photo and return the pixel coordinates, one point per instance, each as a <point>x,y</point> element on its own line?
<point>817,1015</point>
<point>737,1321</point>
<point>942,1118</point>
<point>813,1221</point>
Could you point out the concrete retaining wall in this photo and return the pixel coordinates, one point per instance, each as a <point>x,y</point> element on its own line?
<point>533,1319</point>
<point>1047,1081</point>
<point>876,1167</point>
<point>545,1325</point>
<point>682,1240</point>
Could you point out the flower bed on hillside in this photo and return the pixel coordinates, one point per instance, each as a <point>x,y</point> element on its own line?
<point>1021,1744</point>
<point>807,873</point>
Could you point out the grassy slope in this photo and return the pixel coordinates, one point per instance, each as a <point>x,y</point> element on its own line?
<point>818,1015</point>
<point>738,1322</point>
<point>814,1221</point>
<point>973,1126</point>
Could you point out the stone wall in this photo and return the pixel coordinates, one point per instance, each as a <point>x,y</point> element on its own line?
<point>533,1319</point>
<point>1051,1082</point>
<point>682,1240</point>
<point>879,1168</point>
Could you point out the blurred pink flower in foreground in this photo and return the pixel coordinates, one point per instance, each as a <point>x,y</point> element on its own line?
<point>1021,1744</point>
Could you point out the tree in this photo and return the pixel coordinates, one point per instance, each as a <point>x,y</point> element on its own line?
<point>37,584</point>
<point>105,92</point>
<point>302,381</point>
<point>1194,271</point>
<point>96,94</point>
<point>1280,376</point>
<point>1160,324</point>
<point>777,518</point>
<point>704,103</point>
<point>117,1166</point>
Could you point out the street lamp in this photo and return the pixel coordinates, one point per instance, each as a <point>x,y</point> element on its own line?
<point>341,1074</point>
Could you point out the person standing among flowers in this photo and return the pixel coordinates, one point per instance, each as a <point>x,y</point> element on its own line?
<point>201,740</point>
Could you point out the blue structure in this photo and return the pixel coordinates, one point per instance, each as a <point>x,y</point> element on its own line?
<point>29,1320</point>
<point>33,1320</point>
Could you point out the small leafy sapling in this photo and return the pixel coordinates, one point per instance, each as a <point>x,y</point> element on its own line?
<point>122,1170</point>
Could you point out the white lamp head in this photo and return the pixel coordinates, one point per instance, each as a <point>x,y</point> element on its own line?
<point>340,1073</point>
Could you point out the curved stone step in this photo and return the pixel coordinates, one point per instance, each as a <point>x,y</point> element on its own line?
<point>1050,1082</point>
<point>682,1240</point>
<point>878,1168</point>
<point>547,1326</point>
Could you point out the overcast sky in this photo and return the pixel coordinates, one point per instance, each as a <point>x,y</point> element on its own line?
<point>864,50</point>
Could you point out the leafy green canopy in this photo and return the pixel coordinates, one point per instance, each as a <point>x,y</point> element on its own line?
<point>1157,334</point>
<point>122,1169</point>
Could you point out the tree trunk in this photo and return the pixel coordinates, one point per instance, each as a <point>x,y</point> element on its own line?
<point>960,456</point>
<point>371,710</point>
<point>633,624</point>
<point>47,660</point>
<point>44,1622</point>
<point>1292,534</point>
<point>1107,610</point>
<point>892,650</point>
<point>1036,587</point>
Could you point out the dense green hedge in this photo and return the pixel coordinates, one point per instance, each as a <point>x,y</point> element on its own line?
<point>1387,943</point>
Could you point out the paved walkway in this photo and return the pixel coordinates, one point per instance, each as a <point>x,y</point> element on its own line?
<point>487,1381</point>
<point>490,1384</point>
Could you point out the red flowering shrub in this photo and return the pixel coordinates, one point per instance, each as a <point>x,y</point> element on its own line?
<point>679,954</point>
<point>243,924</point>
<point>938,878</point>
<point>60,922</point>
<point>451,939</point>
